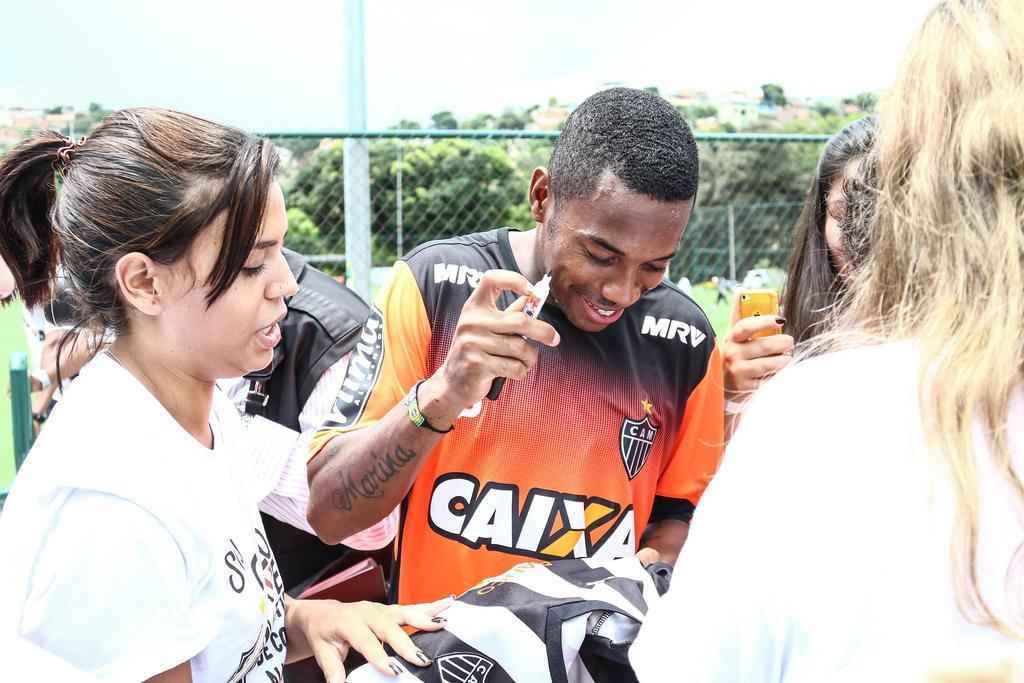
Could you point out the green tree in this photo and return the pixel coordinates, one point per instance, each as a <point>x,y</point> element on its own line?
<point>449,187</point>
<point>406,124</point>
<point>444,120</point>
<point>817,125</point>
<point>760,186</point>
<point>824,109</point>
<point>511,119</point>
<point>866,101</point>
<point>698,111</point>
<point>479,122</point>
<point>773,94</point>
<point>303,234</point>
<point>85,121</point>
<point>653,89</point>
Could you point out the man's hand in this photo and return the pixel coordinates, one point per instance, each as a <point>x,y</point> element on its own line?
<point>662,541</point>
<point>360,476</point>
<point>488,343</point>
<point>648,556</point>
<point>747,362</point>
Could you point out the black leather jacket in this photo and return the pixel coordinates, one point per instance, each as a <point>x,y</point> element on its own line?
<point>323,324</point>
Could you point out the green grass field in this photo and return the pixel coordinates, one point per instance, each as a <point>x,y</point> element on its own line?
<point>12,338</point>
<point>717,313</point>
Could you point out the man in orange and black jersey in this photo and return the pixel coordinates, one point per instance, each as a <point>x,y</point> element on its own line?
<point>610,424</point>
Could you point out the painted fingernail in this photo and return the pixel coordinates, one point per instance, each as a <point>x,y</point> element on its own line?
<point>780,321</point>
<point>439,620</point>
<point>394,669</point>
<point>423,658</point>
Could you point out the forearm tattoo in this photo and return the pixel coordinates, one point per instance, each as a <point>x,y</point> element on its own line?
<point>370,482</point>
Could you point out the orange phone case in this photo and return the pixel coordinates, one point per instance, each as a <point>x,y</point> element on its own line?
<point>760,302</point>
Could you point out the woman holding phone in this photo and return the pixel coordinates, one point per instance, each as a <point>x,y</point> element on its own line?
<point>828,245</point>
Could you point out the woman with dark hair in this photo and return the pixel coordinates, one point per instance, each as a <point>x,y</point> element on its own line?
<point>828,243</point>
<point>828,234</point>
<point>134,549</point>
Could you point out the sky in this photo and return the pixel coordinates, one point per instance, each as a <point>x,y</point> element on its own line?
<point>280,66</point>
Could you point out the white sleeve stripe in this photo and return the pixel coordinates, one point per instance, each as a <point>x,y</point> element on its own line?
<point>286,510</point>
<point>290,498</point>
<point>551,584</point>
<point>321,400</point>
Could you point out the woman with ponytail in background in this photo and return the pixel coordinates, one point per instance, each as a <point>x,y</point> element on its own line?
<point>133,548</point>
<point>872,501</point>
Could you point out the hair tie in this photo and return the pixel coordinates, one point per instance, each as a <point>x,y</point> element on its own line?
<point>64,154</point>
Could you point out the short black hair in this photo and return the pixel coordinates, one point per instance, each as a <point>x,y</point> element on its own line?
<point>637,136</point>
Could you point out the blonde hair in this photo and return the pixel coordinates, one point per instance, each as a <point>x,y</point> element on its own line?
<point>946,250</point>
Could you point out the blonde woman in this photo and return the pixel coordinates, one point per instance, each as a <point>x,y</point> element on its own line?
<point>868,519</point>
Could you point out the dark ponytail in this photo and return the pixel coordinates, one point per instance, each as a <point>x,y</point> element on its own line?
<point>148,181</point>
<point>28,242</point>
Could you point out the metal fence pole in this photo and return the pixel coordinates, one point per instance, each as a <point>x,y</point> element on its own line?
<point>21,408</point>
<point>357,157</point>
<point>732,243</point>
<point>398,199</point>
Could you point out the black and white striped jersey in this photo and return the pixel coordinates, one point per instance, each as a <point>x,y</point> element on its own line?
<point>567,621</point>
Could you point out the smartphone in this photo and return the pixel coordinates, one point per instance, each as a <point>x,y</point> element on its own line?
<point>760,302</point>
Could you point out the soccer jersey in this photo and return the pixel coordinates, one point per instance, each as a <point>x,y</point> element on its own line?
<point>608,432</point>
<point>570,621</point>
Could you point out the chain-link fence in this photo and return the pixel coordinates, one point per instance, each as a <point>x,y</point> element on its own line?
<point>426,185</point>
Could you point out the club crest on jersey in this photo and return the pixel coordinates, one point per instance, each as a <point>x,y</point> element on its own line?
<point>463,667</point>
<point>636,437</point>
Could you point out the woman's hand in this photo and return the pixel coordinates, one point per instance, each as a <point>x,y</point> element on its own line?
<point>747,362</point>
<point>328,628</point>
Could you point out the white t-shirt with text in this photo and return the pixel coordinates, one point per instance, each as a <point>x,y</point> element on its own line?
<point>821,550</point>
<point>131,548</point>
